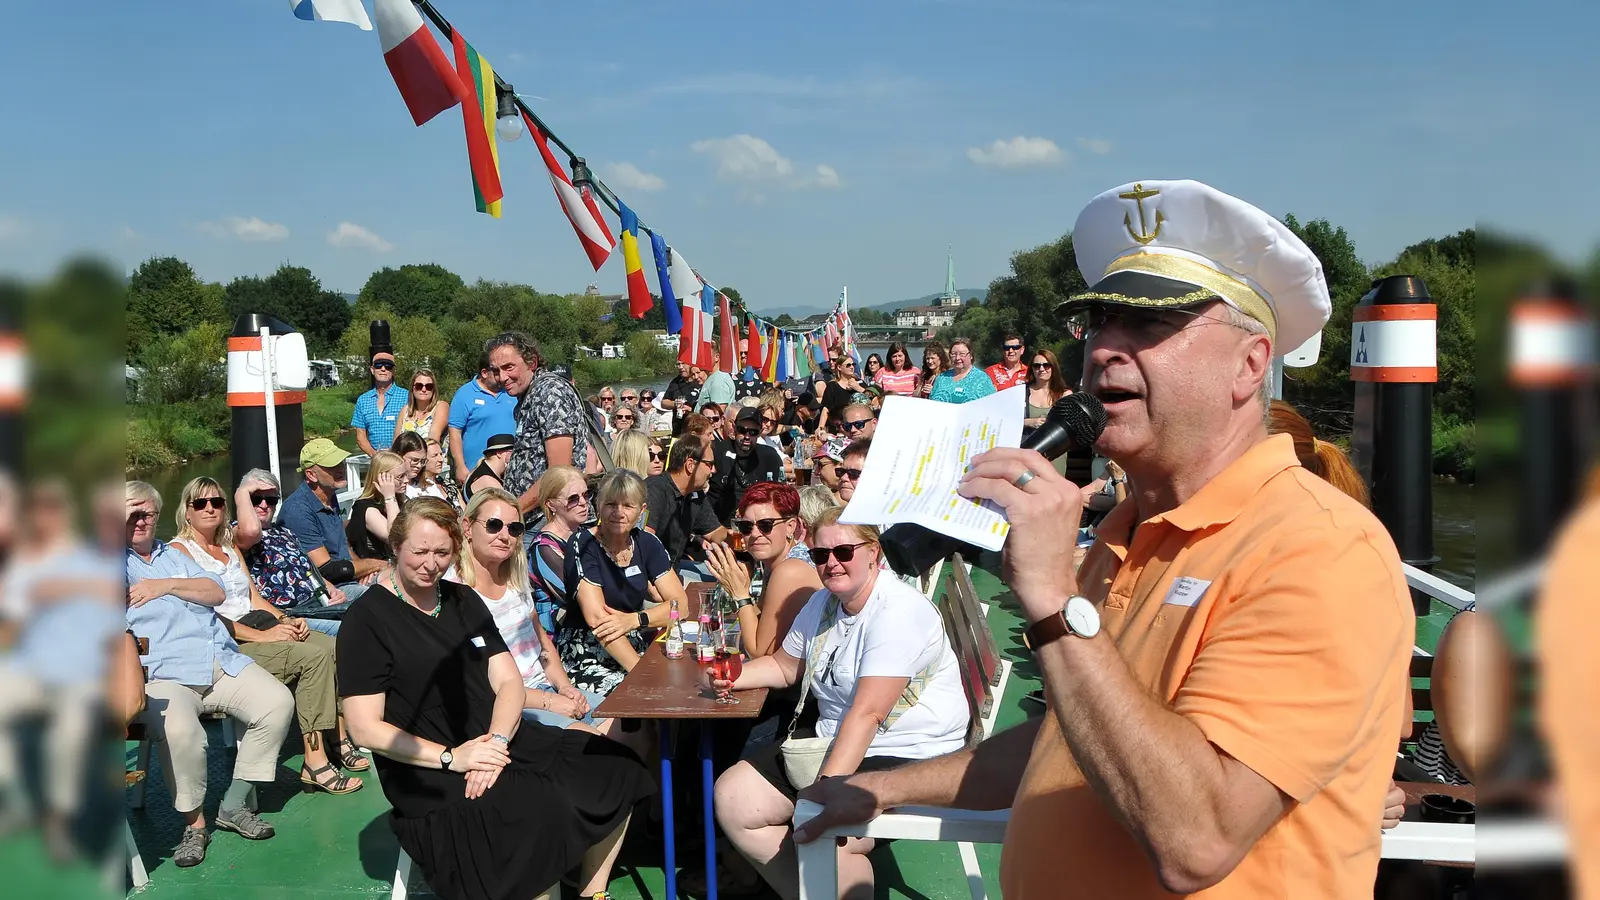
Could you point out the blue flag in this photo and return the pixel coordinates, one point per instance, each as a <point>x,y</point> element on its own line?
<point>669,303</point>
<point>783,357</point>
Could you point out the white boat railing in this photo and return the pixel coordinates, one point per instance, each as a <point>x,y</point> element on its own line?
<point>1437,587</point>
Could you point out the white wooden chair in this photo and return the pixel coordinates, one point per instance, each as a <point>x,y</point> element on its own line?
<point>402,874</point>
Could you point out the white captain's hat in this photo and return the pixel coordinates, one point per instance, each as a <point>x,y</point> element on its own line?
<point>1181,243</point>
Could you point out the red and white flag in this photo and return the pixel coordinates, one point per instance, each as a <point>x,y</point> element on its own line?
<point>421,71</point>
<point>580,207</point>
<point>686,286</point>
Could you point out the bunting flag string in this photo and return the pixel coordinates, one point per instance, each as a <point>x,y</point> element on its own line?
<point>693,307</point>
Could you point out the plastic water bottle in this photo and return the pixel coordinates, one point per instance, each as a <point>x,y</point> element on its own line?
<point>674,646</point>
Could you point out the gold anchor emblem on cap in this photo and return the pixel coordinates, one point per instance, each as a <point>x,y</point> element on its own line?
<point>1138,195</point>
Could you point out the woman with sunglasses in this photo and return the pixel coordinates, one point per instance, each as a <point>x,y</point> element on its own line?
<point>285,647</point>
<point>278,567</point>
<point>563,496</point>
<point>887,690</point>
<point>624,418</point>
<point>874,365</point>
<point>1046,385</point>
<point>374,510</point>
<point>769,519</point>
<point>425,412</point>
<point>658,458</point>
<point>495,566</point>
<point>620,568</point>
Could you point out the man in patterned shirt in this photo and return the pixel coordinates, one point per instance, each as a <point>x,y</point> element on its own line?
<point>549,415</point>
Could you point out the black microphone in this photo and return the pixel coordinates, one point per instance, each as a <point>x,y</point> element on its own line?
<point>1073,423</point>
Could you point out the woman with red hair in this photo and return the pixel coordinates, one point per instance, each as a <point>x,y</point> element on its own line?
<point>769,519</point>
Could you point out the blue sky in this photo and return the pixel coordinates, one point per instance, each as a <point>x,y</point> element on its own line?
<point>235,136</point>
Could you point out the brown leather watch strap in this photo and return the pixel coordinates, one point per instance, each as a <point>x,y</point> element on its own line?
<point>1050,628</point>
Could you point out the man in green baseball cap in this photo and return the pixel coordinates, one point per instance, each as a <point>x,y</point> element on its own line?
<point>321,452</point>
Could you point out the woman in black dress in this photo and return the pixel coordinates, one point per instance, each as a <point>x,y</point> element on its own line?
<point>487,804</point>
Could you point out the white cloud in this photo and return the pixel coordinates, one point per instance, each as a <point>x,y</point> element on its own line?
<point>251,229</point>
<point>826,177</point>
<point>752,161</point>
<point>12,227</point>
<point>1097,146</point>
<point>745,158</point>
<point>128,234</point>
<point>349,234</point>
<point>1019,152</point>
<point>627,175</point>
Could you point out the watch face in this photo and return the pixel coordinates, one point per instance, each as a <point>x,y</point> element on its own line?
<point>1083,617</point>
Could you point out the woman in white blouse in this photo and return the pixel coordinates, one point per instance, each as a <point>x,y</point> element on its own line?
<point>887,689</point>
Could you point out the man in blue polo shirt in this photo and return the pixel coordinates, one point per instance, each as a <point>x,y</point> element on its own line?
<point>377,411</point>
<point>312,515</point>
<point>478,411</point>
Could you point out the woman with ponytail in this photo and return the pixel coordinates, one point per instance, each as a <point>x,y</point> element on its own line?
<point>1321,458</point>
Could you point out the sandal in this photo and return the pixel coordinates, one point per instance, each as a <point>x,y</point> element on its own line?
<point>339,784</point>
<point>350,758</point>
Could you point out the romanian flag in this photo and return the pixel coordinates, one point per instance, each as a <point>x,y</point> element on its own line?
<point>478,112</point>
<point>669,300</point>
<point>639,299</point>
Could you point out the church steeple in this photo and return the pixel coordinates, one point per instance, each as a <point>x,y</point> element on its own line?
<point>950,297</point>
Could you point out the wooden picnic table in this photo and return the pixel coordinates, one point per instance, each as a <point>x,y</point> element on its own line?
<point>669,691</point>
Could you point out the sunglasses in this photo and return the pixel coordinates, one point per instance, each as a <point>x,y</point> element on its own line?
<point>855,426</point>
<point>493,526</point>
<point>1154,324</point>
<point>629,398</point>
<point>769,420</point>
<point>622,418</point>
<point>712,417</point>
<point>383,364</point>
<point>608,399</point>
<point>749,432</point>
<point>421,386</point>
<point>1013,347</point>
<point>142,515</point>
<point>744,526</point>
<point>648,396</point>
<point>203,502</point>
<point>268,499</point>
<point>843,553</point>
<point>852,474</point>
<point>574,500</point>
<point>1041,365</point>
<point>656,454</point>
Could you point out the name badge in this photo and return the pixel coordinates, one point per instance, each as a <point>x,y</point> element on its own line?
<point>630,571</point>
<point>1186,591</point>
<point>478,642</point>
<point>478,401</point>
<point>388,418</point>
<point>730,454</point>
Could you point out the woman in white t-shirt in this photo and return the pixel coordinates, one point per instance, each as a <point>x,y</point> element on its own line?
<point>887,688</point>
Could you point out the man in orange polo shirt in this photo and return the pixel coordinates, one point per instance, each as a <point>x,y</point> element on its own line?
<point>1225,673</point>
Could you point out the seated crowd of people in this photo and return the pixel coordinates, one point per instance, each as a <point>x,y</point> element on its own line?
<point>466,634</point>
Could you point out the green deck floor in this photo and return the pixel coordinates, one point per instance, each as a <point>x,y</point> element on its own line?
<point>341,846</point>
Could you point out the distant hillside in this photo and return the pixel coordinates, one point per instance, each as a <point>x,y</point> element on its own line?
<point>811,309</point>
<point>351,298</point>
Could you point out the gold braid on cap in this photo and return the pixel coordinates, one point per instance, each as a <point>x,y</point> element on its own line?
<point>1212,282</point>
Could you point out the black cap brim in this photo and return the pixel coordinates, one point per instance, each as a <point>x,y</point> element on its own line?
<point>1130,288</point>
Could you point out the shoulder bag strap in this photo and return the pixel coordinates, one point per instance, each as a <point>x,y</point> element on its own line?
<point>813,650</point>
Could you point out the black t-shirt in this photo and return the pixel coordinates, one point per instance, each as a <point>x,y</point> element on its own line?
<point>683,392</point>
<point>478,471</point>
<point>363,542</point>
<point>434,675</point>
<point>675,518</point>
<point>835,399</point>
<point>736,474</point>
<point>625,589</point>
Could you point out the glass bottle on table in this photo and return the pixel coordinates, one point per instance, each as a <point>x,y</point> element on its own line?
<point>674,648</point>
<point>703,643</point>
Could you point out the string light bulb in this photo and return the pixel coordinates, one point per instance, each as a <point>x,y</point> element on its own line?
<point>508,125</point>
<point>582,178</point>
